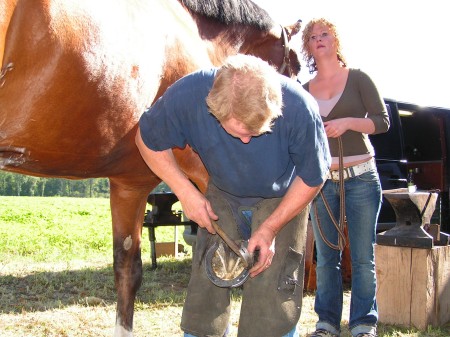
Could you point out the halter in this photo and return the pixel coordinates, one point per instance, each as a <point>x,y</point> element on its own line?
<point>8,67</point>
<point>286,61</point>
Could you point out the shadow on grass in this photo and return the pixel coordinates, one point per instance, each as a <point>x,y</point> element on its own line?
<point>166,285</point>
<point>41,291</point>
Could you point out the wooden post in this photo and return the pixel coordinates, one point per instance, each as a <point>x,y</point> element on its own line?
<point>175,238</point>
<point>413,285</point>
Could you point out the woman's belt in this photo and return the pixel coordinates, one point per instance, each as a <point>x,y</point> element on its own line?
<point>353,171</point>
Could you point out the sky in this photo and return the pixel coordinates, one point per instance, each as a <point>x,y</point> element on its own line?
<point>404,46</point>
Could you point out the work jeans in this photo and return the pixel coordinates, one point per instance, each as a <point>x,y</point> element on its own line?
<point>271,301</point>
<point>362,206</point>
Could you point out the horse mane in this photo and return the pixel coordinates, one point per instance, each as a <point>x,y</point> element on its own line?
<point>243,12</point>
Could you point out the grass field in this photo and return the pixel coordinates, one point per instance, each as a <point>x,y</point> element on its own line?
<point>56,276</point>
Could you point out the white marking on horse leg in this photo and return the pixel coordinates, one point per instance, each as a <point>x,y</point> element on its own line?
<point>119,331</point>
<point>127,242</point>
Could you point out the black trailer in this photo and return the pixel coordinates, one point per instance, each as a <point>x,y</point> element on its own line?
<point>418,139</point>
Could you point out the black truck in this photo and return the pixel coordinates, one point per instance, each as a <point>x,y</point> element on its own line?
<point>418,140</point>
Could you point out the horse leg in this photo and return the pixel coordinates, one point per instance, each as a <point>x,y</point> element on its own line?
<point>310,265</point>
<point>127,209</point>
<point>191,164</point>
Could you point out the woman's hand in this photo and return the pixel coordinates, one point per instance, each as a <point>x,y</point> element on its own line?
<point>336,127</point>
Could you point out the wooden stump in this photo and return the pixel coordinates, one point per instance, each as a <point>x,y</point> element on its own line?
<point>413,285</point>
<point>168,249</point>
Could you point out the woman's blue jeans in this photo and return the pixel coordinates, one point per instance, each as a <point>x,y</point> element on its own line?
<point>362,206</point>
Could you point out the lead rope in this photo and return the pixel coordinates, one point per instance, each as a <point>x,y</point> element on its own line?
<point>340,226</point>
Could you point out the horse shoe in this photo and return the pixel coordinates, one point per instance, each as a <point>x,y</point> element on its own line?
<point>224,267</point>
<point>227,263</point>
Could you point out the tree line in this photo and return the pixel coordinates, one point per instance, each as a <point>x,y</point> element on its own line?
<point>13,184</point>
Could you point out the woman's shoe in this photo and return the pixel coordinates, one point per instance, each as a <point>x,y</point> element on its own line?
<point>322,333</point>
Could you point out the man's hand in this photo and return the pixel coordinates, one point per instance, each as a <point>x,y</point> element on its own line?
<point>263,239</point>
<point>198,209</point>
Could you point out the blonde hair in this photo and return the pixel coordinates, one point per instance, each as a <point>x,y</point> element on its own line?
<point>307,32</point>
<point>248,89</point>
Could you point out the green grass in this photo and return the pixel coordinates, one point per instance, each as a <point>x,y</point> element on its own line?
<point>54,229</point>
<point>40,229</point>
<point>56,276</point>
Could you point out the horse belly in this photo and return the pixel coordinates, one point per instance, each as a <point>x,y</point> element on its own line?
<point>70,103</point>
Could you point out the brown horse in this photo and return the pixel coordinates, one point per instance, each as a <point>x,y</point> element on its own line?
<point>76,76</point>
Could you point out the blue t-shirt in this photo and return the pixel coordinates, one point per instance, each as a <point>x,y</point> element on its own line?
<point>264,167</point>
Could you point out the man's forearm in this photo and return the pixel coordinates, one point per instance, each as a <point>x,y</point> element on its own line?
<point>164,165</point>
<point>296,199</point>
